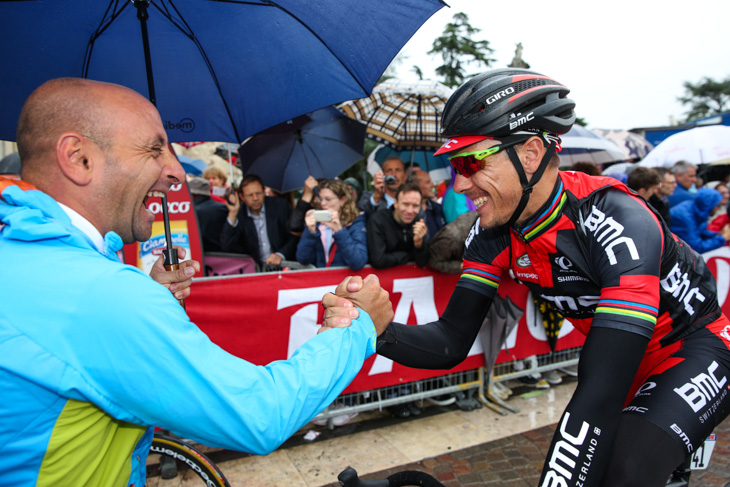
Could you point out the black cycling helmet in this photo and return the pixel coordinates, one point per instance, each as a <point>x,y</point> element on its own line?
<point>509,104</point>
<point>501,102</point>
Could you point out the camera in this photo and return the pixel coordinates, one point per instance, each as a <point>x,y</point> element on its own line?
<point>390,180</point>
<point>323,215</point>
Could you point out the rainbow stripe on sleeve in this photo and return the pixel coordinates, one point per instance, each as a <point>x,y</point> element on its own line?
<point>480,273</point>
<point>628,308</point>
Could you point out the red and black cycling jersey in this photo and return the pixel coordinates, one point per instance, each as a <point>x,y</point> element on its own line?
<point>601,255</point>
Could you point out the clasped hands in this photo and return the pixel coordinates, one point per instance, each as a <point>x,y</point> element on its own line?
<point>355,292</point>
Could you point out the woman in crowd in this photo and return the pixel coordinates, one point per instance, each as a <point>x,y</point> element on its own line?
<point>339,239</point>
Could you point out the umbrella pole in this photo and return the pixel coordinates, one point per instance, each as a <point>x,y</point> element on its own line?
<point>172,261</point>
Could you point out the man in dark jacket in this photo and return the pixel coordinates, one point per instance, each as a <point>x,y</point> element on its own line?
<point>399,235</point>
<point>211,214</point>
<point>259,227</point>
<point>432,210</point>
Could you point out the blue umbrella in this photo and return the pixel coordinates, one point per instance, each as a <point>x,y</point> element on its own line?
<point>322,144</point>
<point>217,69</point>
<point>192,166</point>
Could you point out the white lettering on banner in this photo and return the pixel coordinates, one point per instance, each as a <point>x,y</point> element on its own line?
<point>608,233</point>
<point>303,323</point>
<point>565,454</point>
<point>172,207</point>
<point>678,284</point>
<point>416,292</point>
<point>701,388</point>
<point>176,187</point>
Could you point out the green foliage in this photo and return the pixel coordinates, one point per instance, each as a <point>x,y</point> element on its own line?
<point>581,121</point>
<point>458,49</point>
<point>706,98</point>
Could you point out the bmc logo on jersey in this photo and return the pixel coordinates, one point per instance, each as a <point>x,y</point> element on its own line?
<point>608,233</point>
<point>473,233</point>
<point>725,333</point>
<point>702,389</point>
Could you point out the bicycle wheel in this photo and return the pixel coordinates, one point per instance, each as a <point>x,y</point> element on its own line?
<point>189,458</point>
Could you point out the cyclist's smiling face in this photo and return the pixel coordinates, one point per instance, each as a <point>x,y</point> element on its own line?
<point>495,190</point>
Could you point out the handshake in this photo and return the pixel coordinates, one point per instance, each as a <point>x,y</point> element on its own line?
<point>355,292</point>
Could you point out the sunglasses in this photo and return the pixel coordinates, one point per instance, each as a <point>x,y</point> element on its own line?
<point>469,163</point>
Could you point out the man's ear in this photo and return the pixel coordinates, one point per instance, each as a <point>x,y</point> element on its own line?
<point>75,157</point>
<point>532,152</point>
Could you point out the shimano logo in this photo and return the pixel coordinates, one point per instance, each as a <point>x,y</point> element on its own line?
<point>571,278</point>
<point>678,284</point>
<point>521,120</point>
<point>570,303</point>
<point>701,389</point>
<point>185,125</point>
<point>526,275</point>
<point>608,233</point>
<point>563,462</point>
<point>500,94</point>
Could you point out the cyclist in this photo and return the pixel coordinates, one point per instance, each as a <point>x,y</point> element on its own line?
<point>655,365</point>
<point>94,353</point>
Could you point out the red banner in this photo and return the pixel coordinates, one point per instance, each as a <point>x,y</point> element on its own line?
<point>183,229</point>
<point>718,261</point>
<point>265,317</point>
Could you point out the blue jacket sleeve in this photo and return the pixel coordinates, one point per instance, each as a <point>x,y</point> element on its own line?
<point>352,244</point>
<point>144,362</point>
<point>308,246</point>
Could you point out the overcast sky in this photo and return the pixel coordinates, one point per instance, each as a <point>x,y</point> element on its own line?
<point>624,61</point>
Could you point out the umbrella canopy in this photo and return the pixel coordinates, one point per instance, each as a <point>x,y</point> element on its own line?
<point>322,144</point>
<point>700,145</point>
<point>402,115</point>
<point>634,146</point>
<point>192,166</point>
<point>584,145</point>
<point>221,69</point>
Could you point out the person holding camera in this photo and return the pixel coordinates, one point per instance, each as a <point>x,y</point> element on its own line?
<point>385,183</point>
<point>399,235</point>
<point>335,235</point>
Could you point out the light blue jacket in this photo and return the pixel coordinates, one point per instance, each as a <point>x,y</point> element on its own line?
<point>93,353</point>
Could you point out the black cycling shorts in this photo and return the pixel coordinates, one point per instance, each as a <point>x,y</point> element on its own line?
<point>688,393</point>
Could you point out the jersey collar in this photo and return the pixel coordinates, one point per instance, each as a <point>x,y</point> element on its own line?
<point>546,216</point>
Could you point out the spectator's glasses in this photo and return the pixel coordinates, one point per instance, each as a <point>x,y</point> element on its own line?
<point>469,163</point>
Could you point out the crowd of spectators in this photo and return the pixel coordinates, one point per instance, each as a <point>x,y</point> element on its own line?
<point>401,220</point>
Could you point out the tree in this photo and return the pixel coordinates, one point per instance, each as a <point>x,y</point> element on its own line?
<point>458,49</point>
<point>706,98</point>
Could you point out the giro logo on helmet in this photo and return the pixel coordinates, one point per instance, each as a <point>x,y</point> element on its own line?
<point>507,91</point>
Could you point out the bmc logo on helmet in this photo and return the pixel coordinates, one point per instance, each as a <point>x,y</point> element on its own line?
<point>521,120</point>
<point>499,94</point>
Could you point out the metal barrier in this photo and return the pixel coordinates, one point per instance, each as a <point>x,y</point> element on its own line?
<point>465,384</point>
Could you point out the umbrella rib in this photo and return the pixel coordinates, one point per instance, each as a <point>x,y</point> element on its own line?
<point>189,33</point>
<point>104,23</point>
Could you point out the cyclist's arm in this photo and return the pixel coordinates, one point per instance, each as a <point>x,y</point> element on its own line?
<point>441,344</point>
<point>582,443</point>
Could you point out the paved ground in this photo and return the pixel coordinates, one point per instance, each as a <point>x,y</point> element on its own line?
<point>516,461</point>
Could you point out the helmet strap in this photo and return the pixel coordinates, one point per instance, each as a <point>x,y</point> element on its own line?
<point>527,186</point>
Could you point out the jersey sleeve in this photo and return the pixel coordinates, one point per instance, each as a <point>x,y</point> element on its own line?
<point>625,241</point>
<point>486,256</point>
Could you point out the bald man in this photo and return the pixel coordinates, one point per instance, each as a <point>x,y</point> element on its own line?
<point>94,353</point>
